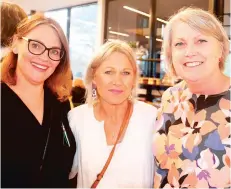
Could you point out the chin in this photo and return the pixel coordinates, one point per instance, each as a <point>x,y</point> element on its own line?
<point>37,81</point>
<point>190,79</point>
<point>116,101</point>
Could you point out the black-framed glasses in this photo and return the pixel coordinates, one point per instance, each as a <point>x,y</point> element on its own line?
<point>38,48</point>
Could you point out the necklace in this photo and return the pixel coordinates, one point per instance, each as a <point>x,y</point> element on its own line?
<point>45,148</point>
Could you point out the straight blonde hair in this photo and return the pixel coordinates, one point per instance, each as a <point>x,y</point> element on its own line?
<point>200,20</point>
<point>101,55</point>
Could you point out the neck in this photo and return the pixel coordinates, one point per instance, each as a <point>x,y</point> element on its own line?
<point>112,112</point>
<point>215,84</point>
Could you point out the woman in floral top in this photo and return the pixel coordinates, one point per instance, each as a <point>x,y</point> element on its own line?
<point>192,142</point>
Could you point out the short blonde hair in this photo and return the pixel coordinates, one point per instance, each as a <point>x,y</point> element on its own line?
<point>59,82</point>
<point>200,20</point>
<point>101,55</point>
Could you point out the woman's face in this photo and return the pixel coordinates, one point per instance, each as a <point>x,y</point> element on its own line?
<point>195,56</point>
<point>37,68</point>
<point>115,79</point>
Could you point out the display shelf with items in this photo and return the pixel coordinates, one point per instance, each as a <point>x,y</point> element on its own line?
<point>151,89</point>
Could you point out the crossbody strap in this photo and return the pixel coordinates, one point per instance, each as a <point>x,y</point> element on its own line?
<point>122,128</point>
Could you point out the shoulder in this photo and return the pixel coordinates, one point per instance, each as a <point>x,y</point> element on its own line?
<point>78,110</point>
<point>76,117</point>
<point>4,87</point>
<point>77,113</point>
<point>145,110</point>
<point>142,106</point>
<point>171,91</point>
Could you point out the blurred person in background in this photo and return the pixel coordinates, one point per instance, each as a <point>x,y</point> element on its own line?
<point>78,92</point>
<point>113,126</point>
<point>11,15</point>
<point>37,144</point>
<point>192,142</point>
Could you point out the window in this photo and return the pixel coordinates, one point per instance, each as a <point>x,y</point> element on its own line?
<point>59,16</point>
<point>83,32</point>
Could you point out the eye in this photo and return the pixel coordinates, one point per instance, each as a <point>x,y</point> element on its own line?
<point>108,72</point>
<point>202,41</point>
<point>55,51</point>
<point>179,44</point>
<point>126,73</point>
<point>35,45</point>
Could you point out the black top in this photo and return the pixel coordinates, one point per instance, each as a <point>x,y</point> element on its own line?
<point>23,143</point>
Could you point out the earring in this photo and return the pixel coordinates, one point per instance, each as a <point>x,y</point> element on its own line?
<point>94,95</point>
<point>130,98</point>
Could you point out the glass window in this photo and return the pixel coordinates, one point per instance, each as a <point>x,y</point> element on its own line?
<point>164,9</point>
<point>60,16</point>
<point>226,24</point>
<point>128,20</point>
<point>83,32</point>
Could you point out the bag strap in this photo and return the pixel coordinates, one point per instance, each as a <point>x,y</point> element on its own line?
<point>122,128</point>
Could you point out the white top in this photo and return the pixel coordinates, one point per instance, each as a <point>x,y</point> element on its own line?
<point>132,164</point>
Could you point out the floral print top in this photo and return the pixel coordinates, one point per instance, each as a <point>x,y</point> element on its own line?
<point>192,142</point>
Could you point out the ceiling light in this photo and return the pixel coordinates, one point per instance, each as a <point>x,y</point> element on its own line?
<point>160,40</point>
<point>118,33</point>
<point>161,20</point>
<point>157,39</point>
<point>143,13</point>
<point>137,11</point>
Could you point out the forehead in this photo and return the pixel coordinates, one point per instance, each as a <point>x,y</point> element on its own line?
<point>117,60</point>
<point>45,34</point>
<point>183,30</point>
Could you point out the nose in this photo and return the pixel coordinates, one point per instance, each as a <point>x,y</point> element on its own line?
<point>117,80</point>
<point>44,56</point>
<point>191,50</point>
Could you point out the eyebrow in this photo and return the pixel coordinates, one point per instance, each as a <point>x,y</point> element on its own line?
<point>56,47</point>
<point>180,38</point>
<point>114,68</point>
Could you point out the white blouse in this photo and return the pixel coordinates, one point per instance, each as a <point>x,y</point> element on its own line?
<point>132,164</point>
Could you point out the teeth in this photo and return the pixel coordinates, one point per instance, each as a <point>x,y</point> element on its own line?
<point>40,66</point>
<point>193,64</point>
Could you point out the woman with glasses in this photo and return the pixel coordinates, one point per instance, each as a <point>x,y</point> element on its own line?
<point>37,144</point>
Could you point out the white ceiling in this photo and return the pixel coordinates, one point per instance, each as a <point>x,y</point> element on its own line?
<point>45,5</point>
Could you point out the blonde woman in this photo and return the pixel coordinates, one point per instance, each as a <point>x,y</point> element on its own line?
<point>37,145</point>
<point>112,116</point>
<point>192,144</point>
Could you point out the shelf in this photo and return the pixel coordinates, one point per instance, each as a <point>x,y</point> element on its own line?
<point>149,60</point>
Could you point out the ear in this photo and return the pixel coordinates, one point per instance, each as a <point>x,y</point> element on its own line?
<point>15,50</point>
<point>93,81</point>
<point>15,45</point>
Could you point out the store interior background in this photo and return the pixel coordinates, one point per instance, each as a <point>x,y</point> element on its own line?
<point>89,23</point>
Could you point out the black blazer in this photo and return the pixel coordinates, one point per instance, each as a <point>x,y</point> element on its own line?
<point>25,142</point>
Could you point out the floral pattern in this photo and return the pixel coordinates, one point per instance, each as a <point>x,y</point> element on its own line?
<point>192,142</point>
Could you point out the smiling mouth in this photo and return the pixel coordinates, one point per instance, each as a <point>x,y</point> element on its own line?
<point>39,66</point>
<point>116,91</point>
<point>193,64</point>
